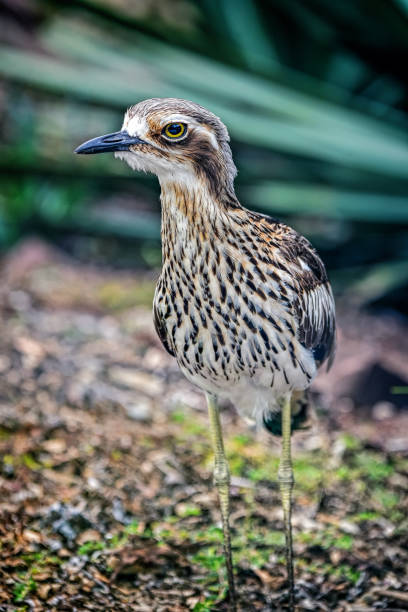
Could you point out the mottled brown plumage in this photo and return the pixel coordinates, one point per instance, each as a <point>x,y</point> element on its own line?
<point>243,301</point>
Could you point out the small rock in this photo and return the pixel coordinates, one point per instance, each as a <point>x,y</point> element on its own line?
<point>93,483</point>
<point>133,379</point>
<point>142,411</point>
<point>32,536</point>
<point>348,527</point>
<point>67,521</point>
<point>119,513</point>
<point>33,352</point>
<point>55,445</point>
<point>382,411</point>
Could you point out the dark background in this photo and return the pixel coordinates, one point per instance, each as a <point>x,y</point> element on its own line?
<point>314,94</point>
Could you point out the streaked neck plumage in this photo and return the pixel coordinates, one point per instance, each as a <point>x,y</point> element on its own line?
<point>192,211</point>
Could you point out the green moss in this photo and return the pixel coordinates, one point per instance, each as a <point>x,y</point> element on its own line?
<point>387,499</point>
<point>309,470</point>
<point>347,571</point>
<point>209,558</point>
<point>212,534</point>
<point>29,461</point>
<point>178,416</point>
<point>350,442</point>
<point>133,528</point>
<point>257,474</point>
<point>35,557</point>
<point>327,539</point>
<point>189,511</point>
<point>35,562</point>
<point>24,588</point>
<point>118,296</point>
<point>372,466</point>
<point>270,538</point>
<point>343,473</point>
<point>189,421</point>
<point>266,470</point>
<point>162,535</point>
<point>366,516</point>
<point>192,430</point>
<point>343,571</point>
<point>195,427</point>
<point>308,476</point>
<point>242,440</point>
<point>255,557</point>
<point>118,540</point>
<point>396,516</point>
<point>237,465</point>
<point>90,546</point>
<point>207,605</point>
<point>344,542</point>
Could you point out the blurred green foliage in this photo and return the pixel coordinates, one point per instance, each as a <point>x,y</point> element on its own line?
<point>314,94</point>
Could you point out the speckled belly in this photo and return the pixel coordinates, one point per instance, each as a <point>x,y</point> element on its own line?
<point>223,339</point>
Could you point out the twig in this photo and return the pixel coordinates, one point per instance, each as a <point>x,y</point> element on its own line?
<point>392,594</point>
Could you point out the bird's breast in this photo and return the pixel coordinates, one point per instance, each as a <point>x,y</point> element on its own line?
<point>224,318</point>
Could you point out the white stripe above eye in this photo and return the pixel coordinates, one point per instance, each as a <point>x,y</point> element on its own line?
<point>177,117</point>
<point>138,126</point>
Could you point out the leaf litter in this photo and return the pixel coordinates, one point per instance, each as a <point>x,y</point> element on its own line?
<point>106,488</point>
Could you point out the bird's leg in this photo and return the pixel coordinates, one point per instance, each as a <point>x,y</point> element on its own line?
<point>222,482</point>
<point>286,480</point>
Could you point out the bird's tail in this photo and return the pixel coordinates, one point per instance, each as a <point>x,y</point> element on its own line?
<point>301,414</point>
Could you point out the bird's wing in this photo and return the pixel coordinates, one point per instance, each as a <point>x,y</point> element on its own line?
<point>313,303</point>
<point>161,331</point>
<point>317,328</point>
<point>314,306</point>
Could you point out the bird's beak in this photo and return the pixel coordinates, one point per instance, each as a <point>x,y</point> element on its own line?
<point>118,141</point>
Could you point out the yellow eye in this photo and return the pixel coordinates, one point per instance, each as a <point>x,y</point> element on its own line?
<point>174,130</point>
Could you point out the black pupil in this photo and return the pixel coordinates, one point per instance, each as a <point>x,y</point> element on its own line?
<point>175,128</point>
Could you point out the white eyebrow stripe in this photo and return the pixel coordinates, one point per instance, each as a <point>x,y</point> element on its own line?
<point>178,117</point>
<point>138,126</point>
<point>209,134</point>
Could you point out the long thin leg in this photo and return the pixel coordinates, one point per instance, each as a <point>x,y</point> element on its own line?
<point>222,482</point>
<point>286,480</point>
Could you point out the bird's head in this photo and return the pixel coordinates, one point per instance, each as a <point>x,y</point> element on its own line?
<point>179,141</point>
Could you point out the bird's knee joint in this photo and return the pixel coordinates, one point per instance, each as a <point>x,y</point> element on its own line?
<point>285,476</point>
<point>221,475</point>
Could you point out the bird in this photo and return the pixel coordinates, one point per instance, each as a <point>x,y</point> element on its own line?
<point>243,301</point>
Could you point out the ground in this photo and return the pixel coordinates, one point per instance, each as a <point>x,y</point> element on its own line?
<point>106,489</point>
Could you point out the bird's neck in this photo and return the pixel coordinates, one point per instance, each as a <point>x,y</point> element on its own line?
<point>192,213</point>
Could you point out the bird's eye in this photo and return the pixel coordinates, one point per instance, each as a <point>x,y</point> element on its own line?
<point>174,130</point>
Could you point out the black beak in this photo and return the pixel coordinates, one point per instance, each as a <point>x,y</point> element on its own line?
<point>118,141</point>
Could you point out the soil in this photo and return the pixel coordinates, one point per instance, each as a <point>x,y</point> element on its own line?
<point>106,488</point>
